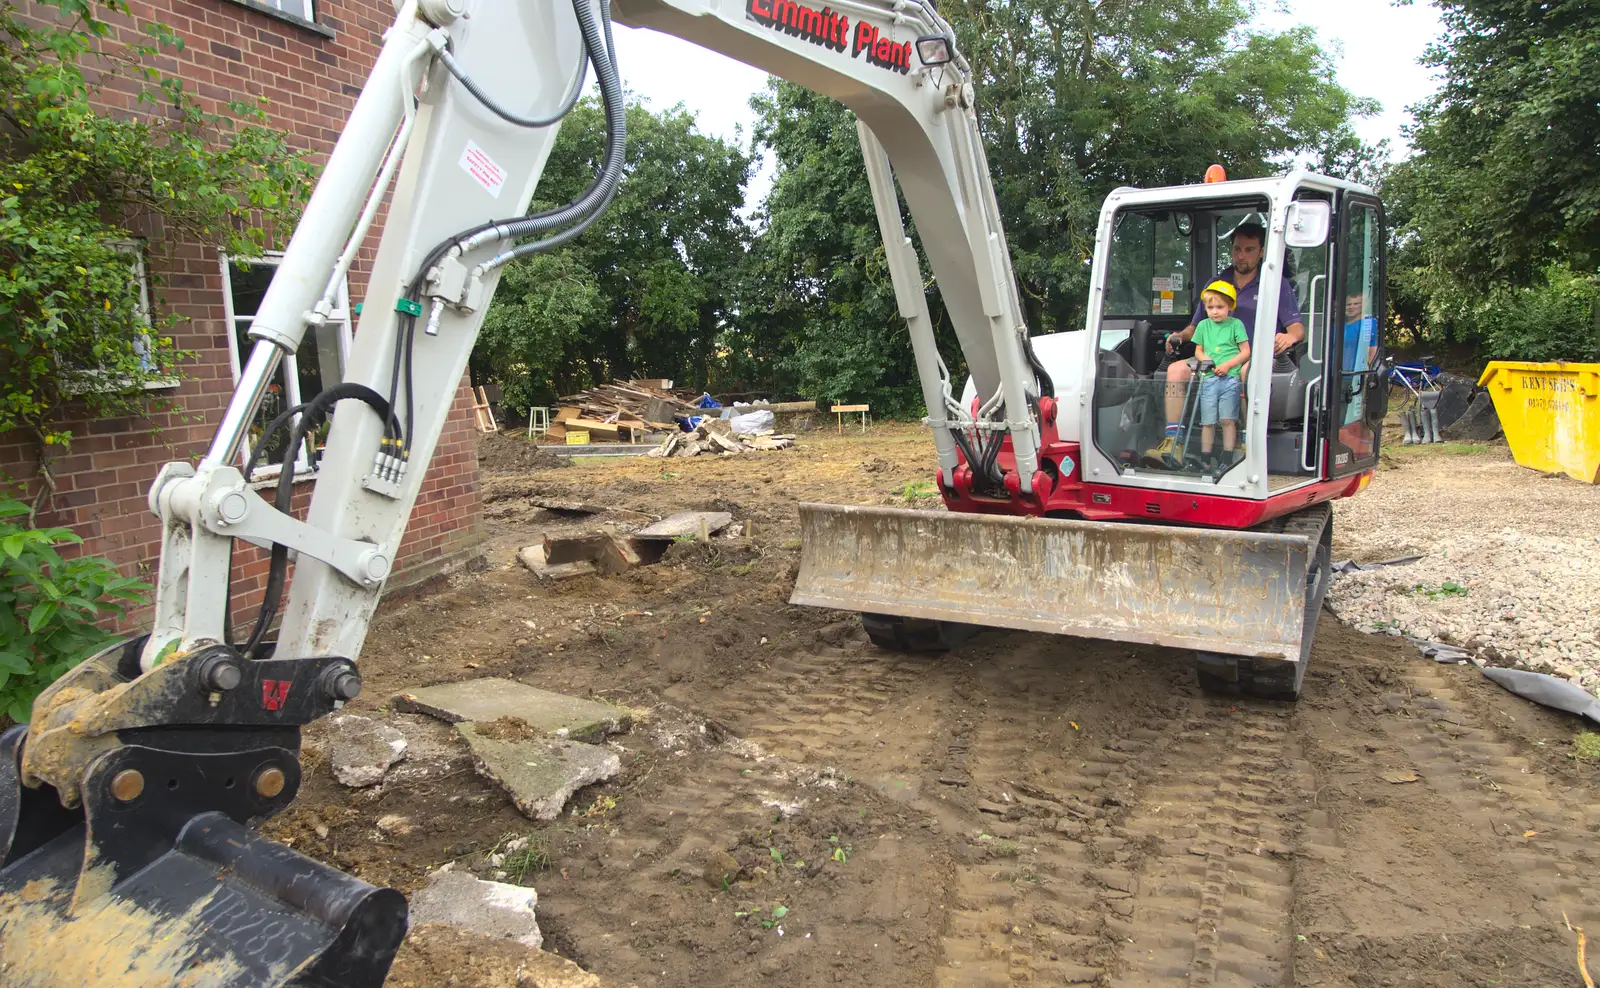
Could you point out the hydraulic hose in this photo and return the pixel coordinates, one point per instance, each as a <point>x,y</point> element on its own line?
<point>315,411</point>
<point>567,102</point>
<point>600,192</point>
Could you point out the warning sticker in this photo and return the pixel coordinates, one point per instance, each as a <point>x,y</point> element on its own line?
<point>1166,306</point>
<point>475,161</point>
<point>1161,284</point>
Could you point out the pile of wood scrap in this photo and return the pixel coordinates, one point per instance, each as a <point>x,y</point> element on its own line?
<point>623,411</point>
<point>716,436</point>
<point>605,553</point>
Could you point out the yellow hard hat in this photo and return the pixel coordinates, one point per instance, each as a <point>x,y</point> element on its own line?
<point>1224,289</point>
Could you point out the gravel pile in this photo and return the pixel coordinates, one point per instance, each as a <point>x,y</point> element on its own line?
<point>1510,568</point>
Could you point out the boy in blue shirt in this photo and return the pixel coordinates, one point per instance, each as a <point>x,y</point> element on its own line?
<point>1220,341</point>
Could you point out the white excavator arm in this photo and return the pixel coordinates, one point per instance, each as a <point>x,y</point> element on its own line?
<point>464,169</point>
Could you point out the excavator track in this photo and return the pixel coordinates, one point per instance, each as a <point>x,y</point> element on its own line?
<point>1270,679</point>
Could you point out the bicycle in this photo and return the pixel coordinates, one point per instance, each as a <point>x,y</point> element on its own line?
<point>1417,384</point>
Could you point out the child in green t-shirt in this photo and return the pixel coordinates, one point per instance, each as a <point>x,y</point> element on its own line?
<point>1222,341</point>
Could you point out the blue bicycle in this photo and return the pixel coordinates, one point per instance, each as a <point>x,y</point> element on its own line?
<point>1416,385</point>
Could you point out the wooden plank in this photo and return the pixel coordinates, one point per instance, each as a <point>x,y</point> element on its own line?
<point>851,408</point>
<point>594,427</point>
<point>566,412</point>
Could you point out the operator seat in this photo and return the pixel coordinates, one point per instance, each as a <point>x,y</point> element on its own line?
<point>1290,379</point>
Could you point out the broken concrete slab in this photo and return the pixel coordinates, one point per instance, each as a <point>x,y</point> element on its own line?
<point>596,553</point>
<point>361,750</point>
<point>686,523</point>
<point>564,506</point>
<point>539,774</point>
<point>494,909</point>
<point>483,700</point>
<point>533,559</point>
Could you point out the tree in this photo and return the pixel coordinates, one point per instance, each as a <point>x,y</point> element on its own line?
<point>1074,100</point>
<point>75,183</point>
<point>646,291</point>
<point>1497,213</point>
<point>1505,179</point>
<point>817,312</point>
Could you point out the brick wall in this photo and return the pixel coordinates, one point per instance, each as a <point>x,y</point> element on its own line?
<point>310,81</point>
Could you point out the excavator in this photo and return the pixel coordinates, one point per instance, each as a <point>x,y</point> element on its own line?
<point>128,803</point>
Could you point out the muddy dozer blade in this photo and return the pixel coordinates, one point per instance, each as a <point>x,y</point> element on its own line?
<point>1235,593</point>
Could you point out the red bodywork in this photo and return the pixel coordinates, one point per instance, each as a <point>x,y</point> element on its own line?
<point>1058,493</point>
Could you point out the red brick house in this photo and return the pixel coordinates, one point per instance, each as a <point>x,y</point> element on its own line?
<point>308,58</point>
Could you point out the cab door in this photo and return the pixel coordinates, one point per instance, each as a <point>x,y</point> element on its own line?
<point>1356,316</point>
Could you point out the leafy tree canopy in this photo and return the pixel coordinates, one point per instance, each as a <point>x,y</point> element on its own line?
<point>1505,179</point>
<point>646,291</point>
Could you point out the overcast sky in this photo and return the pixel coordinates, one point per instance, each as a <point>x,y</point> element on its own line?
<point>1377,46</point>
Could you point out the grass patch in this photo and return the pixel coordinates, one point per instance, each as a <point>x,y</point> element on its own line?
<point>525,856</point>
<point>916,490</point>
<point>1444,591</point>
<point>1448,449</point>
<point>1586,746</point>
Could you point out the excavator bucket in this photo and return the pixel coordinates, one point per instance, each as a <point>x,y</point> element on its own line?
<point>1246,601</point>
<point>156,876</point>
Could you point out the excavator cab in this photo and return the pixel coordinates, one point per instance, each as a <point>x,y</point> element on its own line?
<point>1310,413</point>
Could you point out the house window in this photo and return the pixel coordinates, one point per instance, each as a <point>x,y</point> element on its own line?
<point>317,366</point>
<point>87,379</point>
<point>295,8</point>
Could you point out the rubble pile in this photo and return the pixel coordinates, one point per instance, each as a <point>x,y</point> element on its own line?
<point>717,436</point>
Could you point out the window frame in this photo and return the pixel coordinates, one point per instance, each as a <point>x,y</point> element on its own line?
<point>289,367</point>
<point>98,380</point>
<point>269,8</point>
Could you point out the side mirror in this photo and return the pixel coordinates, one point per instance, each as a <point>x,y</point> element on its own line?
<point>1309,221</point>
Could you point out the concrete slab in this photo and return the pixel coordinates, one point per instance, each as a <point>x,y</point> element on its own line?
<point>483,700</point>
<point>539,774</point>
<point>686,523</point>
<point>533,558</point>
<point>494,909</point>
<point>360,749</point>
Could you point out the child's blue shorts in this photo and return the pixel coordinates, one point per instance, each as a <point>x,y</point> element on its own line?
<point>1219,399</point>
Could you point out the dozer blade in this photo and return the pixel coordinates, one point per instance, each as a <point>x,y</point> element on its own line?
<point>1234,593</point>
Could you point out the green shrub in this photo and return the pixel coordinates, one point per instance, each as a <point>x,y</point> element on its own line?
<point>50,608</point>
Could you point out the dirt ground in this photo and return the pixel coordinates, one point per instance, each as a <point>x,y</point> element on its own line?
<point>800,808</point>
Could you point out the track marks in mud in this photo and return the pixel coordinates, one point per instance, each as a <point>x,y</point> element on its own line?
<point>1215,887</point>
<point>1029,905</point>
<point>1547,838</point>
<point>818,708</point>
